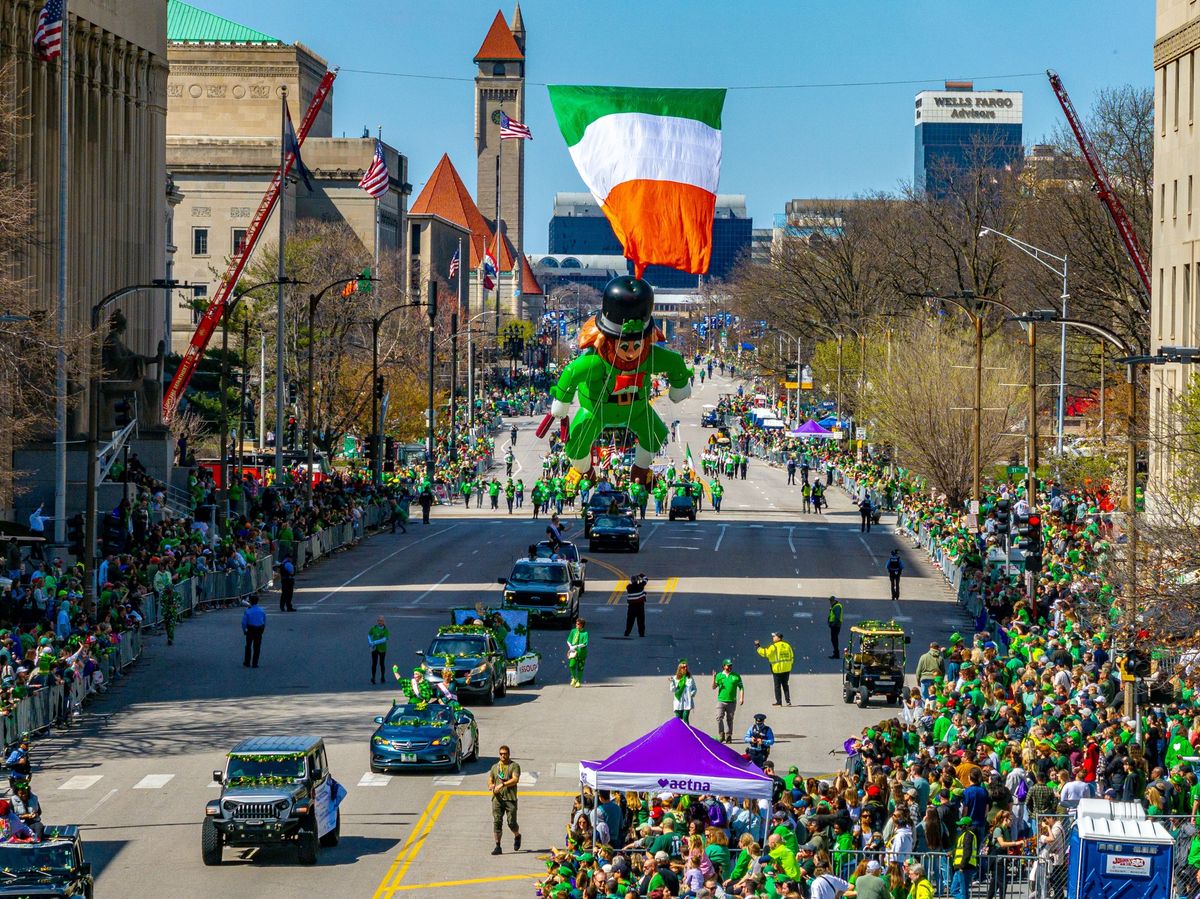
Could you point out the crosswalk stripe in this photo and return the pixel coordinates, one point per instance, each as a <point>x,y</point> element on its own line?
<point>703,611</point>
<point>528,778</point>
<point>802,615</point>
<point>371,779</point>
<point>81,782</point>
<point>153,782</point>
<point>753,613</point>
<point>448,780</point>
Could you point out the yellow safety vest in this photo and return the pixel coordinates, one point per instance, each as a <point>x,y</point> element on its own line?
<point>835,615</point>
<point>960,853</point>
<point>780,656</point>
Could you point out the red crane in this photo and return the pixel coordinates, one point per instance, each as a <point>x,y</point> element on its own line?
<point>1102,185</point>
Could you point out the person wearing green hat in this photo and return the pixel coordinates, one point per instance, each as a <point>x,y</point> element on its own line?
<point>731,692</point>
<point>964,860</point>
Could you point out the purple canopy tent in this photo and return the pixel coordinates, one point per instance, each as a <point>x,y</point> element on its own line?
<point>810,429</point>
<point>677,758</point>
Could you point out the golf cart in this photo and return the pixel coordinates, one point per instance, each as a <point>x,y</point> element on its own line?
<point>710,417</point>
<point>873,663</point>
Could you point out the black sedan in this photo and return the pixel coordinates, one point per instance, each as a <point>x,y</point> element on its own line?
<point>615,532</point>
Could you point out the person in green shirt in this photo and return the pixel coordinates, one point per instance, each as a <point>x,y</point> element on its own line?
<point>377,638</point>
<point>731,692</point>
<point>465,489</point>
<point>660,495</point>
<point>494,493</point>
<point>717,490</point>
<point>577,646</point>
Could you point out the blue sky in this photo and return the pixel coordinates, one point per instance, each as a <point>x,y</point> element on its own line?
<point>779,144</point>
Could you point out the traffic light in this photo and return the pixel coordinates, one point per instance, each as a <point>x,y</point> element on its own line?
<point>379,387</point>
<point>1004,515</point>
<point>122,412</point>
<point>1029,540</point>
<point>1136,664</point>
<point>292,431</point>
<point>293,393</point>
<point>75,535</point>
<point>389,454</point>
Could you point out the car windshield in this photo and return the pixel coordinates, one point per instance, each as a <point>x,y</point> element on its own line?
<point>565,551</point>
<point>460,645</point>
<point>254,767</point>
<point>612,521</point>
<point>604,500</point>
<point>16,858</point>
<point>431,715</point>
<point>531,573</point>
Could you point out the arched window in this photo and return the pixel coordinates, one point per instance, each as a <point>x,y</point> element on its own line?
<point>549,262</point>
<point>571,262</point>
<point>498,70</point>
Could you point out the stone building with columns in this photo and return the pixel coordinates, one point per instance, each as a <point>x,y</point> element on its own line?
<point>224,103</point>
<point>117,193</point>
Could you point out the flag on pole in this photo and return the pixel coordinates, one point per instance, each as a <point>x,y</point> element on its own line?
<point>652,158</point>
<point>489,271</point>
<point>292,146</point>
<point>375,179</point>
<point>691,466</point>
<point>511,129</point>
<point>363,284</point>
<point>47,38</point>
<point>454,263</point>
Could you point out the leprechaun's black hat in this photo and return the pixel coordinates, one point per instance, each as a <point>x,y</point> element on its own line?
<point>627,308</point>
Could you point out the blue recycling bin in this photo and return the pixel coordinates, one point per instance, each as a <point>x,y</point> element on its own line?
<point>1115,857</point>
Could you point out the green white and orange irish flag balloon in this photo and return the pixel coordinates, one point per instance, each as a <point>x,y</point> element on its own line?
<point>652,159</point>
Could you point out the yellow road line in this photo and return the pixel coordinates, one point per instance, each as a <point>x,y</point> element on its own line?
<point>404,850</point>
<point>394,877</point>
<point>463,883</point>
<point>668,591</point>
<point>622,580</point>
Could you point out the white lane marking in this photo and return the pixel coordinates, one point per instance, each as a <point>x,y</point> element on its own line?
<point>703,611</point>
<point>753,613</point>
<point>677,546</point>
<point>802,614</point>
<point>791,542</point>
<point>445,578</point>
<point>653,610</point>
<point>754,525</point>
<point>350,581</point>
<point>459,565</point>
<point>448,780</point>
<point>566,769</point>
<point>81,782</point>
<point>720,537</point>
<point>605,608</point>
<point>867,547</point>
<point>153,782</point>
<point>528,778</point>
<point>213,785</point>
<point>903,617</point>
<point>371,779</point>
<point>103,799</point>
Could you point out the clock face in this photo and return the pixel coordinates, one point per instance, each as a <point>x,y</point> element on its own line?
<point>496,114</point>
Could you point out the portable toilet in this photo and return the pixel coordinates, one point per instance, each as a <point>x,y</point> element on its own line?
<point>1113,857</point>
<point>1103,808</point>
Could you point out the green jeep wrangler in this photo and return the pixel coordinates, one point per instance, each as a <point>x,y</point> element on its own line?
<point>274,790</point>
<point>52,867</point>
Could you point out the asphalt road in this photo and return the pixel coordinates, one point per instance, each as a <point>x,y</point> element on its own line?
<point>137,773</point>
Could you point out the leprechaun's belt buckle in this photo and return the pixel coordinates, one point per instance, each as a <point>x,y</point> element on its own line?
<point>623,399</point>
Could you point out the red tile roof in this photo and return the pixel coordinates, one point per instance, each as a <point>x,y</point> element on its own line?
<point>499,43</point>
<point>446,196</point>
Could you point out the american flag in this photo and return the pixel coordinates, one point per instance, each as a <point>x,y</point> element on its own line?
<point>375,179</point>
<point>454,263</point>
<point>47,39</point>
<point>511,129</point>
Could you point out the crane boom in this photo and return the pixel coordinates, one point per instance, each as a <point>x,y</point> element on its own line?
<point>1102,185</point>
<point>216,307</point>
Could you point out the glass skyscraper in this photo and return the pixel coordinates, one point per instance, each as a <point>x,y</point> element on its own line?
<point>960,128</point>
<point>578,227</point>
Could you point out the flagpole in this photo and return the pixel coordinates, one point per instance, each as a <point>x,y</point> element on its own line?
<point>499,253</point>
<point>470,341</point>
<point>375,269</point>
<point>60,362</point>
<point>279,301</point>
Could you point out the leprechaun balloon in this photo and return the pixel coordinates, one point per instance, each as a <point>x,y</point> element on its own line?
<point>611,377</point>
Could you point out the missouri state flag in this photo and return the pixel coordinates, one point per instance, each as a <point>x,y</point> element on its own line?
<point>652,159</point>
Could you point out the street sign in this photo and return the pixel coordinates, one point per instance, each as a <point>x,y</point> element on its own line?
<point>1017,469</point>
<point>860,433</point>
<point>790,376</point>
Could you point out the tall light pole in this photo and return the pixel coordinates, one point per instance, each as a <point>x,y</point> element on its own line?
<point>431,310</point>
<point>93,436</point>
<point>313,301</point>
<point>471,366</point>
<point>230,306</point>
<point>376,392</point>
<point>1041,256</point>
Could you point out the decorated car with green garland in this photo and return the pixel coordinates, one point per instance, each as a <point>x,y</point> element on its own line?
<point>52,866</point>
<point>274,790</point>
<point>474,657</point>
<point>510,627</point>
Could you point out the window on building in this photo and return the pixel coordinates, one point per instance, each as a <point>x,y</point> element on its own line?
<point>1186,328</point>
<point>1174,199</point>
<point>1162,281</point>
<point>239,241</point>
<point>199,241</point>
<point>498,70</point>
<point>1191,88</point>
<point>1162,202</point>
<point>414,241</point>
<point>1189,201</point>
<point>1175,100</point>
<point>197,302</point>
<point>1174,272</point>
<point>1163,94</point>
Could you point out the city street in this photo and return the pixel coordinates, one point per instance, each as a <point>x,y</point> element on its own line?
<point>137,773</point>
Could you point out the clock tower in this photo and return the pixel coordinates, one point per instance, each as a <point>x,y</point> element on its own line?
<point>500,86</point>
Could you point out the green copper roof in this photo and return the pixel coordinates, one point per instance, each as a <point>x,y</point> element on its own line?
<point>187,24</point>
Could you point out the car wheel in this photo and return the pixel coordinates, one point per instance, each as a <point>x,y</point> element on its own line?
<point>331,838</point>
<point>375,769</point>
<point>591,547</point>
<point>210,843</point>
<point>863,698</point>
<point>307,845</point>
<point>502,685</point>
<point>458,761</point>
<point>692,517</point>
<point>490,696</point>
<point>847,696</point>
<point>474,746</point>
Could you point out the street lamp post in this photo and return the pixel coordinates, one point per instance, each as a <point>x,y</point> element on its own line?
<point>471,366</point>
<point>432,312</point>
<point>314,300</point>
<point>223,505</point>
<point>93,435</point>
<point>1041,256</point>
<point>376,437</point>
<point>453,382</point>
